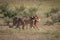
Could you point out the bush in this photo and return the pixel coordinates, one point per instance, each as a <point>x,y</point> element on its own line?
<point>19,11</point>
<point>24,12</point>
<point>49,23</point>
<point>54,15</point>
<point>56,18</point>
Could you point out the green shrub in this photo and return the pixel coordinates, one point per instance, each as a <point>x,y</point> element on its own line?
<point>54,15</point>
<point>49,23</point>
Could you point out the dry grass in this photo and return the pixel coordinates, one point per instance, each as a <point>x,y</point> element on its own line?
<point>45,32</point>
<point>17,34</point>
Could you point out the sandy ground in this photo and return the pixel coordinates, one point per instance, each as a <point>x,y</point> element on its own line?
<point>26,35</point>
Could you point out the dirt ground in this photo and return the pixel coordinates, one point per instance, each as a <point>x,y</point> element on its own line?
<point>45,33</point>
